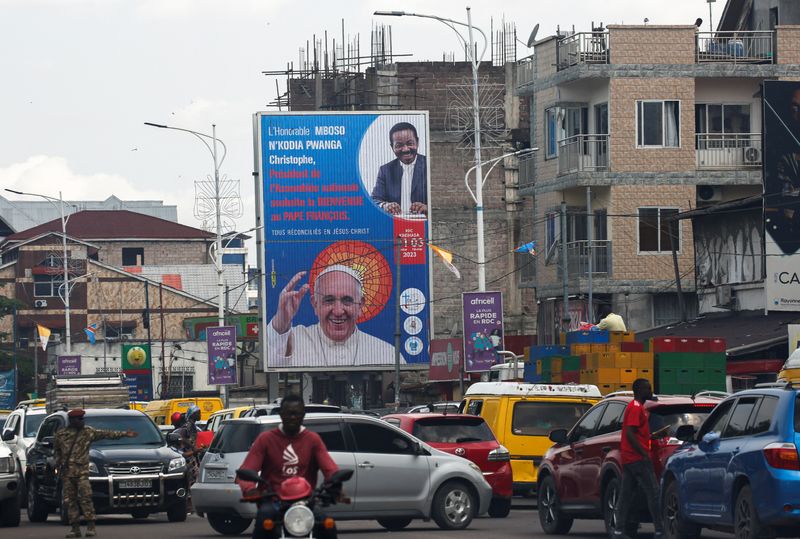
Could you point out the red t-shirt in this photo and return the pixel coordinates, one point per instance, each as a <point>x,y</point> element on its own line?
<point>280,457</point>
<point>635,416</point>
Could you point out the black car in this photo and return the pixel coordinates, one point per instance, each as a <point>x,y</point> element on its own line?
<point>139,475</point>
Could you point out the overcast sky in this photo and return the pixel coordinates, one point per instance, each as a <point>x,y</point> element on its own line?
<point>79,77</point>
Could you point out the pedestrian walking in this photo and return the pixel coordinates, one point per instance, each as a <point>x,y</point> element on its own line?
<point>187,446</point>
<point>71,446</point>
<point>638,473</point>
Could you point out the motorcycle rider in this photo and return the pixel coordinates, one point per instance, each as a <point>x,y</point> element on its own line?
<point>288,451</point>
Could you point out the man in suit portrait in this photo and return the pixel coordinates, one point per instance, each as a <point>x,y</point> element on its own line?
<point>402,187</point>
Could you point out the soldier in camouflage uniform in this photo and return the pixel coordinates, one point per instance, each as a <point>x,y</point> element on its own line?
<point>71,446</point>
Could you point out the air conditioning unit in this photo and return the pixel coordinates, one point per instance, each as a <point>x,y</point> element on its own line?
<point>708,193</point>
<point>752,155</point>
<point>40,304</point>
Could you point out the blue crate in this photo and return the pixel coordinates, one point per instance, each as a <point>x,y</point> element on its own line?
<point>530,375</point>
<point>548,350</point>
<point>587,337</point>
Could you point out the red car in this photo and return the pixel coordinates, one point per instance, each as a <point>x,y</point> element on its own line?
<point>580,476</point>
<point>470,437</point>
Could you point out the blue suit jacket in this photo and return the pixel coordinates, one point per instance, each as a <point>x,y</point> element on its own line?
<point>390,178</point>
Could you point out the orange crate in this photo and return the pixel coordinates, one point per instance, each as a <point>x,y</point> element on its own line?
<point>605,389</point>
<point>606,376</point>
<point>617,337</point>
<point>600,360</point>
<point>627,376</point>
<point>623,387</point>
<point>556,378</point>
<point>555,365</point>
<point>588,376</point>
<point>645,373</point>
<point>622,360</point>
<point>580,349</point>
<point>642,360</point>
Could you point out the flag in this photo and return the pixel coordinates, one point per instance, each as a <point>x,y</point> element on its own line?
<point>91,332</point>
<point>447,258</point>
<point>529,248</point>
<point>44,335</point>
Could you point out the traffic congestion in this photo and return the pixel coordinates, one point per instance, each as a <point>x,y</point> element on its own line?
<point>715,461</point>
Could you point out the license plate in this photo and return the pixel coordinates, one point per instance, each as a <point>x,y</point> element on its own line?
<point>136,483</point>
<point>216,475</point>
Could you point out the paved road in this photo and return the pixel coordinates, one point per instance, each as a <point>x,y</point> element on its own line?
<point>522,523</point>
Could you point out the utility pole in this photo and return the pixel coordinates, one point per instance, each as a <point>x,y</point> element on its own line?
<point>397,334</point>
<point>14,351</point>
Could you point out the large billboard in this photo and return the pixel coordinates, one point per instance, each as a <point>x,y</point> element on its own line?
<point>782,194</point>
<point>221,342</point>
<point>483,330</point>
<point>341,195</point>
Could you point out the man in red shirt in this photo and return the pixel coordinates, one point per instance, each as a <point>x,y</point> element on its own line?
<point>288,451</point>
<point>638,473</point>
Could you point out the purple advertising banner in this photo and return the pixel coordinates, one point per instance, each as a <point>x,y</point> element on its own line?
<point>483,330</point>
<point>69,365</point>
<point>221,355</point>
<point>140,386</point>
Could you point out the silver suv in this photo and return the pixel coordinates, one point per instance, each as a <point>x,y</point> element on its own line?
<point>9,488</point>
<point>397,477</point>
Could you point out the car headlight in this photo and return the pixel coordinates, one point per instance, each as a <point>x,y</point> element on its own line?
<point>93,468</point>
<point>298,520</point>
<point>7,465</point>
<point>176,464</point>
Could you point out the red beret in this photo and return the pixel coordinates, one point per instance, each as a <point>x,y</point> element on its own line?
<point>77,412</point>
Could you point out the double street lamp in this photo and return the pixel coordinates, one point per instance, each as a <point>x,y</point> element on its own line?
<point>64,220</point>
<point>212,148</point>
<point>475,61</point>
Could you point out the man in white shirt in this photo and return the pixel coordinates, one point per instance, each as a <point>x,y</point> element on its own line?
<point>335,341</point>
<point>401,188</point>
<point>610,321</point>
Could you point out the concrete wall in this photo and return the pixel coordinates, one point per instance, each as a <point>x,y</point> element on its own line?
<point>654,44</point>
<point>156,253</point>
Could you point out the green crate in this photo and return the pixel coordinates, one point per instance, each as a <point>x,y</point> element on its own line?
<point>571,363</point>
<point>546,363</point>
<point>715,361</point>
<point>680,360</point>
<point>667,376</point>
<point>670,388</point>
<point>546,377</point>
<point>691,376</point>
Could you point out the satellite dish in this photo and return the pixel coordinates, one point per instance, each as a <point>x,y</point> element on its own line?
<point>532,38</point>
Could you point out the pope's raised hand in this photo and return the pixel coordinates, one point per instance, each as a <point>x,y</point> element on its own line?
<point>289,303</point>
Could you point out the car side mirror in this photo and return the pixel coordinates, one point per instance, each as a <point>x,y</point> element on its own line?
<point>418,449</point>
<point>558,436</point>
<point>685,433</point>
<point>47,441</point>
<point>711,437</point>
<point>8,435</point>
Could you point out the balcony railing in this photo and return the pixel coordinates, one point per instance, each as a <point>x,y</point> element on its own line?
<point>578,257</point>
<point>736,47</point>
<point>525,73</point>
<point>729,150</point>
<point>582,48</point>
<point>583,153</point>
<point>526,165</point>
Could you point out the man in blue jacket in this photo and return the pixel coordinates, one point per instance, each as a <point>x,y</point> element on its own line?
<point>402,188</point>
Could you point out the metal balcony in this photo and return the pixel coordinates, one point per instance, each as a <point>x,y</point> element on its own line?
<point>736,47</point>
<point>582,48</point>
<point>583,153</point>
<point>729,151</point>
<point>527,170</point>
<point>578,257</point>
<point>525,73</point>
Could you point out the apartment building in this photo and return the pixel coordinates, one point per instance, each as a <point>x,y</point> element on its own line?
<point>635,126</point>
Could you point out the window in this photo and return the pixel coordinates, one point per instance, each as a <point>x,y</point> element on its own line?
<point>32,423</point>
<point>331,434</point>
<point>553,230</point>
<point>539,418</point>
<point>658,124</point>
<point>612,418</point>
<point>46,286</point>
<point>452,431</point>
<point>737,426</point>
<point>474,407</point>
<point>655,227</point>
<point>585,429</point>
<point>716,421</point>
<point>376,439</point>
<point>763,418</point>
<point>110,331</point>
<point>132,256</point>
<point>11,425</point>
<point>722,118</point>
<point>48,429</point>
<point>551,133</point>
<point>146,431</point>
<point>392,421</point>
<point>237,437</point>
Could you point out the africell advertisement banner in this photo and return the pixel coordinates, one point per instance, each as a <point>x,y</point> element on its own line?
<point>8,393</point>
<point>447,357</point>
<point>781,158</point>
<point>68,365</point>
<point>221,342</point>
<point>483,329</point>
<point>339,192</point>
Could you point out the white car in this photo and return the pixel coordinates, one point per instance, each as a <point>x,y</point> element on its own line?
<point>397,477</point>
<point>19,434</point>
<point>9,488</point>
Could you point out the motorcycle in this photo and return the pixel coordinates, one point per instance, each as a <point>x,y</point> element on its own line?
<point>298,509</point>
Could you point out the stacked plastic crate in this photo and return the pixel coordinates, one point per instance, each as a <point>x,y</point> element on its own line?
<point>612,366</point>
<point>540,362</point>
<point>687,365</point>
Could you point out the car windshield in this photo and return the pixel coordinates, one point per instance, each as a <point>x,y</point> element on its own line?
<point>146,431</point>
<point>452,431</point>
<point>32,422</point>
<point>675,416</point>
<point>237,437</point>
<point>539,418</point>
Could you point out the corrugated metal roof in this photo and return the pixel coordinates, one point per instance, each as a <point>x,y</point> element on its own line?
<point>200,281</point>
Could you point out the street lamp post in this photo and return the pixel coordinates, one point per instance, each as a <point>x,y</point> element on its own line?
<point>475,61</point>
<point>218,262</point>
<point>64,219</point>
